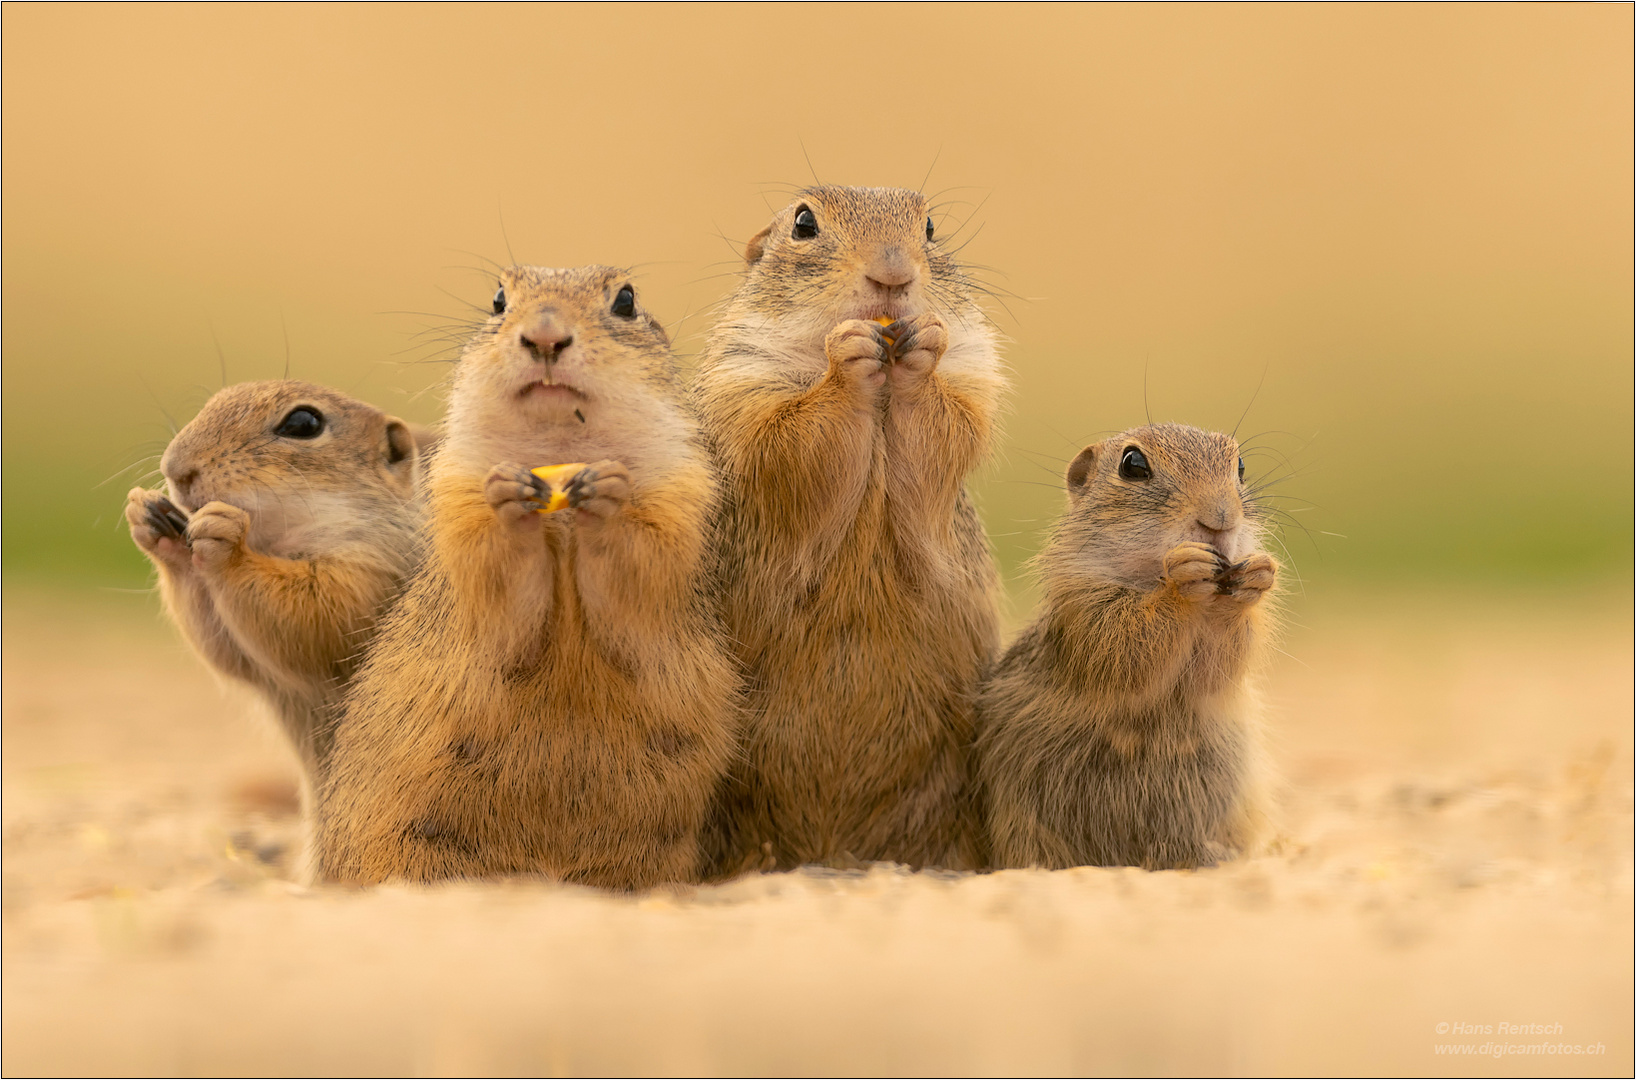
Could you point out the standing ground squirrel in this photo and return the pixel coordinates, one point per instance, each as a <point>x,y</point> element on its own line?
<point>553,694</point>
<point>1120,730</point>
<point>848,388</point>
<point>289,526</point>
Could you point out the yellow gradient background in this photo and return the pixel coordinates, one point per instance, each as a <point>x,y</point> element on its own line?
<point>1409,225</point>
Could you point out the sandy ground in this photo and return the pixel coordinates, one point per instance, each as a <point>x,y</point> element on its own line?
<point>1458,852</point>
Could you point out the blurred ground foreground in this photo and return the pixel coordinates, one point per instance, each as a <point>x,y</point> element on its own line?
<point>1459,853</point>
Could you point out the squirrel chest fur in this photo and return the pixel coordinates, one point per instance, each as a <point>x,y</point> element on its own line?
<point>1120,728</point>
<point>552,695</point>
<point>848,389</point>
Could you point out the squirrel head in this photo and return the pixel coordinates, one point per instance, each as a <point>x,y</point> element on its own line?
<point>566,354</point>
<point>278,445</point>
<point>838,253</point>
<point>1135,496</point>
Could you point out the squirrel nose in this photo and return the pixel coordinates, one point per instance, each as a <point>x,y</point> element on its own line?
<point>891,271</point>
<point>184,481</point>
<point>546,338</point>
<point>1217,522</point>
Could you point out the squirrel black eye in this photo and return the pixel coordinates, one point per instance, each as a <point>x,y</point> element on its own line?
<point>1241,470</point>
<point>500,300</point>
<point>806,224</point>
<point>304,422</point>
<point>624,304</point>
<point>928,228</point>
<point>1133,465</point>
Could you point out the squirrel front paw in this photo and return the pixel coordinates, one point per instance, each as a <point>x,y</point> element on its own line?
<point>216,534</point>
<point>514,493</point>
<point>599,489</point>
<point>858,350</point>
<point>1248,581</point>
<point>918,343</point>
<point>1190,570</point>
<point>158,526</point>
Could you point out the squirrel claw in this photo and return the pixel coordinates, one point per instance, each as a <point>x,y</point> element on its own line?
<point>1247,581</point>
<point>542,492</point>
<point>918,344</point>
<point>166,520</point>
<point>158,527</point>
<point>160,523</point>
<point>580,487</point>
<point>1227,578</point>
<point>599,489</point>
<point>514,493</point>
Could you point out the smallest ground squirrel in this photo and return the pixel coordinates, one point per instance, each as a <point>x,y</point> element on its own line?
<point>289,525</point>
<point>1119,730</point>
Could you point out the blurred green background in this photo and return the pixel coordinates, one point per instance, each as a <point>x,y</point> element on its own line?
<point>1409,226</point>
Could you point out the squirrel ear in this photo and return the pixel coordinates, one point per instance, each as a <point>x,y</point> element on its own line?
<point>400,442</point>
<point>1079,471</point>
<point>757,244</point>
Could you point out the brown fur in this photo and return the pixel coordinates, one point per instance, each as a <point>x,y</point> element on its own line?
<point>552,695</point>
<point>856,579</point>
<point>1120,728</point>
<point>292,548</point>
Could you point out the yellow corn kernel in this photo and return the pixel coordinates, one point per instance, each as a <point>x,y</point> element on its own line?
<point>557,476</point>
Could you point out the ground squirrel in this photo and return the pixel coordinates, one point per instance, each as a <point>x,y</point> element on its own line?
<point>552,695</point>
<point>289,526</point>
<point>1119,729</point>
<point>847,389</point>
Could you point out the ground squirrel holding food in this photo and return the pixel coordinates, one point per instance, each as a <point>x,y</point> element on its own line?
<point>553,695</point>
<point>289,525</point>
<point>848,389</point>
<point>1121,729</point>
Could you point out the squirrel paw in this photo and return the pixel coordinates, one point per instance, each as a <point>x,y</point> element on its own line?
<point>918,344</point>
<point>599,489</point>
<point>1190,569</point>
<point>216,533</point>
<point>514,493</point>
<point>158,526</point>
<point>859,351</point>
<point>1248,581</point>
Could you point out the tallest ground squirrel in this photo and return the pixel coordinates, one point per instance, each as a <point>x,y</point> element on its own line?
<point>848,388</point>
